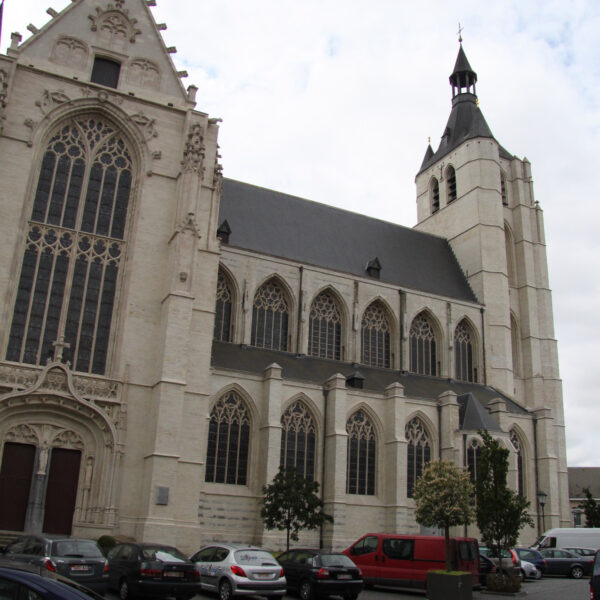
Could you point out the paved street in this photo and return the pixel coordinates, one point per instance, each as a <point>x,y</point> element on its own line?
<point>549,588</point>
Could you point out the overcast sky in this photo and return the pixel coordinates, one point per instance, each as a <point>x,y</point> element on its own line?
<point>334,100</point>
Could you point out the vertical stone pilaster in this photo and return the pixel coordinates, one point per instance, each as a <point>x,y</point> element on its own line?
<point>335,459</point>
<point>395,457</point>
<point>448,426</point>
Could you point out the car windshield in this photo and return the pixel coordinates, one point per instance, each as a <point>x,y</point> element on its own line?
<point>336,560</point>
<point>163,554</point>
<point>251,557</point>
<point>76,549</point>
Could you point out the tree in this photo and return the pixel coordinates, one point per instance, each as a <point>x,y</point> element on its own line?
<point>591,508</point>
<point>291,503</point>
<point>444,499</point>
<point>501,512</point>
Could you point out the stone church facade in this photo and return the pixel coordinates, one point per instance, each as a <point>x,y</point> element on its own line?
<point>172,337</point>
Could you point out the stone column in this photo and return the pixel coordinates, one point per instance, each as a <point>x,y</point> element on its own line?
<point>448,426</point>
<point>34,517</point>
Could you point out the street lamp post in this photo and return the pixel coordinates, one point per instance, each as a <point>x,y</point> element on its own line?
<point>541,498</point>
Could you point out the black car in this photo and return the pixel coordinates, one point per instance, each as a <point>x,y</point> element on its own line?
<point>486,566</point>
<point>314,574</point>
<point>24,583</point>
<point>78,559</point>
<point>152,571</point>
<point>562,562</point>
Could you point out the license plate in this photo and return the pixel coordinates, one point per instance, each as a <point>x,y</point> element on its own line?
<point>344,576</point>
<point>80,568</point>
<point>173,573</point>
<point>263,576</point>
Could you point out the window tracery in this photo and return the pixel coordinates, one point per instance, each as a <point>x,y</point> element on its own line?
<point>325,327</point>
<point>418,453</point>
<point>375,336</point>
<point>473,454</point>
<point>74,247</point>
<point>270,315</point>
<point>423,346</point>
<point>465,369</point>
<point>228,441</point>
<point>514,439</point>
<point>298,440</point>
<point>223,323</point>
<point>360,476</point>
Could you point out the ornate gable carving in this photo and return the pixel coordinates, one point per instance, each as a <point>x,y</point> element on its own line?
<point>22,434</point>
<point>144,73</point>
<point>193,155</point>
<point>70,51</point>
<point>113,25</point>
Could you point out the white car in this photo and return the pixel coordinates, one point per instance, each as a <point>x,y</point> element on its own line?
<point>529,570</point>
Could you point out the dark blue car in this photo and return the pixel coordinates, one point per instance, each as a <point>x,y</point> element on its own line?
<point>532,556</point>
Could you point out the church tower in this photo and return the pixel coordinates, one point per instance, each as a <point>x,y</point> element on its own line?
<point>476,194</point>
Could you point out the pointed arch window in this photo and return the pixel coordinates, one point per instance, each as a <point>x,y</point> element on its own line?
<point>503,189</point>
<point>298,440</point>
<point>223,324</point>
<point>514,438</point>
<point>509,246</point>
<point>74,247</point>
<point>375,336</point>
<point>270,315</point>
<point>473,454</point>
<point>465,368</point>
<point>423,346</point>
<point>362,447</point>
<point>451,183</point>
<point>228,441</point>
<point>434,192</point>
<point>418,453</point>
<point>325,328</point>
<point>515,339</point>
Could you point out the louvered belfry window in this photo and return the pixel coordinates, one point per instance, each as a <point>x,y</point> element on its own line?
<point>270,314</point>
<point>74,247</point>
<point>325,329</point>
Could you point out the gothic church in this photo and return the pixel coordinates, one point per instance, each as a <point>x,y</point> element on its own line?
<point>170,337</point>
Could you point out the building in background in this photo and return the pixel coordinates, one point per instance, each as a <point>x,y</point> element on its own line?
<point>171,337</point>
<point>579,479</point>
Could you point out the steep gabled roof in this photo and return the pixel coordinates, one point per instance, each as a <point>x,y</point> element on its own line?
<point>277,224</point>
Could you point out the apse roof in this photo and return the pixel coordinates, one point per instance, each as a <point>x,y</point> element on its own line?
<point>473,397</point>
<point>289,227</point>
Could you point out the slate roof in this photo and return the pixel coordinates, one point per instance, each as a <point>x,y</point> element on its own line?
<point>582,477</point>
<point>473,397</point>
<point>289,227</point>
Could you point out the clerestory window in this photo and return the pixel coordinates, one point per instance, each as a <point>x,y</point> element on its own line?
<point>325,328</point>
<point>423,346</point>
<point>375,336</point>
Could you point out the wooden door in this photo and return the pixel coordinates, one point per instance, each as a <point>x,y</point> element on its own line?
<point>61,492</point>
<point>15,482</point>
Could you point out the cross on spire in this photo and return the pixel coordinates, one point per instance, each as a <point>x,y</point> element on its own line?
<point>459,32</point>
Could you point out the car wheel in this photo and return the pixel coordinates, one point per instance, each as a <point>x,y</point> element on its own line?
<point>305,591</point>
<point>224,590</point>
<point>124,591</point>
<point>577,572</point>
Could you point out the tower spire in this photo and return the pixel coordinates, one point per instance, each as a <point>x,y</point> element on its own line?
<point>463,77</point>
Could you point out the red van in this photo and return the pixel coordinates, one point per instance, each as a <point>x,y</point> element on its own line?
<point>403,560</point>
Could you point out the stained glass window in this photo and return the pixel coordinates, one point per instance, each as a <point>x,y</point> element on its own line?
<point>228,441</point>
<point>325,329</point>
<point>270,314</point>
<point>418,453</point>
<point>362,447</point>
<point>74,247</point>
<point>298,440</point>
<point>463,353</point>
<point>375,336</point>
<point>423,346</point>
<point>223,310</point>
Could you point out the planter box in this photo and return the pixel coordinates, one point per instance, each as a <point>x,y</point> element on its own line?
<point>449,586</point>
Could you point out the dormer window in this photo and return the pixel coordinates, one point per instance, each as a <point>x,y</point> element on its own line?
<point>434,189</point>
<point>106,72</point>
<point>373,268</point>
<point>451,183</point>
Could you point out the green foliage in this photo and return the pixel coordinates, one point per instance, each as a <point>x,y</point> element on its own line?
<point>591,508</point>
<point>106,542</point>
<point>501,512</point>
<point>291,503</point>
<point>444,499</point>
<point>499,582</point>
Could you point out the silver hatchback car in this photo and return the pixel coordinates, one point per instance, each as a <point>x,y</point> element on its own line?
<point>239,570</point>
